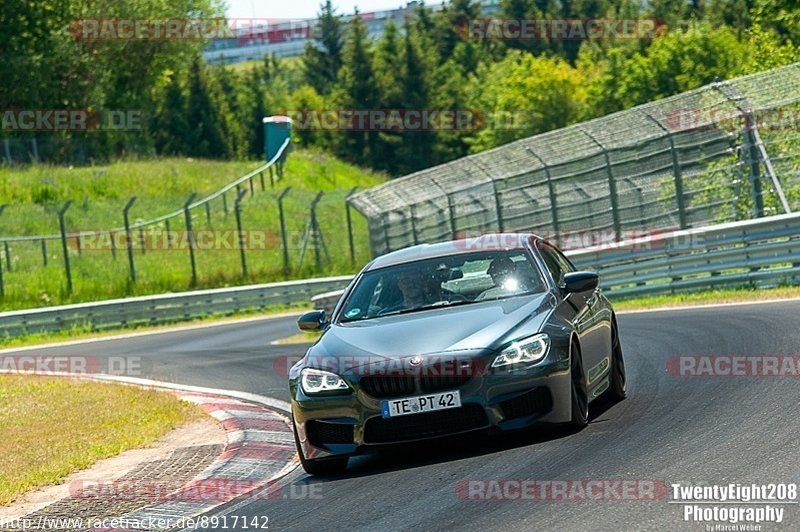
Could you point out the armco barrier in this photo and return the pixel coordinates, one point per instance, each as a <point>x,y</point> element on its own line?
<point>761,252</point>
<point>164,308</point>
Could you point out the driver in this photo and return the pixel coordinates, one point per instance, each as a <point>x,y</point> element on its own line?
<point>412,286</point>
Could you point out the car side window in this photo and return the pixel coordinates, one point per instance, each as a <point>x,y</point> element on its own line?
<point>563,261</point>
<point>553,263</point>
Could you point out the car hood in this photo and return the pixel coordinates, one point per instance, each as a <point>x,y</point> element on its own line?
<point>476,326</point>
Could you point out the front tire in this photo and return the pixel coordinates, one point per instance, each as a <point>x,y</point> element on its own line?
<point>579,390</point>
<point>321,466</point>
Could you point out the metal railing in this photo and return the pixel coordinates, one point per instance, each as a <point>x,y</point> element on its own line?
<point>754,253</point>
<point>165,308</point>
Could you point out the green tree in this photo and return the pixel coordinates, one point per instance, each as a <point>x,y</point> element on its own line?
<point>170,126</point>
<point>206,137</point>
<point>682,60</point>
<point>518,104</point>
<point>323,60</point>
<point>357,90</point>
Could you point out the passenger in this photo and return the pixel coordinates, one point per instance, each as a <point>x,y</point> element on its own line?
<point>506,279</point>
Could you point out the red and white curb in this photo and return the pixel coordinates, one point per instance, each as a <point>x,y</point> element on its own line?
<point>260,450</point>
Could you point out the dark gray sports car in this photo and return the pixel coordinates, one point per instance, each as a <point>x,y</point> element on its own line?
<point>496,331</point>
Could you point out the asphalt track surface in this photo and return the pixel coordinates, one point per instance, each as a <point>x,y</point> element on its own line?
<point>688,430</point>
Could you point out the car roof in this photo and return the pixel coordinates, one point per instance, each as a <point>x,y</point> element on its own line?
<point>484,242</point>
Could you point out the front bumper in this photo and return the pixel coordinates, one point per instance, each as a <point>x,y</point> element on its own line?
<point>506,399</point>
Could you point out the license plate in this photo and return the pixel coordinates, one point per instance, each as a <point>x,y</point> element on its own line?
<point>420,404</point>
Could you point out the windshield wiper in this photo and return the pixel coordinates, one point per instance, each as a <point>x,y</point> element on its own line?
<point>438,304</point>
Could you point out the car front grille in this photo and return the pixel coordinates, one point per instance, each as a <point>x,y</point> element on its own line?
<point>388,385</point>
<point>321,432</point>
<point>470,416</point>
<point>536,401</point>
<point>436,377</point>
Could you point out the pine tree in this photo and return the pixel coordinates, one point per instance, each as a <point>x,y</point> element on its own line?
<point>170,127</point>
<point>205,137</point>
<point>357,91</point>
<point>322,61</point>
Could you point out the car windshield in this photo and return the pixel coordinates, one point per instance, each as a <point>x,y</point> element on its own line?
<point>441,282</point>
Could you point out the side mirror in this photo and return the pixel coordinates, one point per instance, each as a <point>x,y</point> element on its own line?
<point>580,281</point>
<point>311,321</point>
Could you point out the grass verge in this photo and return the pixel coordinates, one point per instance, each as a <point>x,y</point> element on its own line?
<point>299,338</point>
<point>51,427</point>
<point>35,272</point>
<point>711,297</point>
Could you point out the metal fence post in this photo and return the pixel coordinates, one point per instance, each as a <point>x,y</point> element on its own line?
<point>451,209</point>
<point>350,224</point>
<point>551,191</point>
<point>190,233</point>
<point>754,167</point>
<point>8,255</point>
<point>111,245</point>
<point>676,174</point>
<point>261,178</point>
<point>283,228</point>
<point>612,187</point>
<point>225,203</point>
<point>678,177</point>
<point>63,227</point>
<point>128,242</point>
<point>315,230</point>
<point>44,252</point>
<point>237,209</point>
<point>208,213</point>
<point>497,208</point>
<point>413,223</point>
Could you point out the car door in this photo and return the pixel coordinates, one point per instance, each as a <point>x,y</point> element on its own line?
<point>588,316</point>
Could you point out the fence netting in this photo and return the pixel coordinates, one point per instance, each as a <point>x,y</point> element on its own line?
<point>724,152</point>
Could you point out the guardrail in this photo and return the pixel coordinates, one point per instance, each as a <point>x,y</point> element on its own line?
<point>164,308</point>
<point>762,252</point>
<point>755,253</point>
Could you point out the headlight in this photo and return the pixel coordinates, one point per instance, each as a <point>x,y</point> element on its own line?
<point>525,351</point>
<point>318,381</point>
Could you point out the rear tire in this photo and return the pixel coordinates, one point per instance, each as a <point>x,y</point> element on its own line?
<point>579,390</point>
<point>321,466</point>
<point>618,387</point>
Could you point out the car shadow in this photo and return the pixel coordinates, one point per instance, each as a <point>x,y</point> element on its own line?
<point>452,448</point>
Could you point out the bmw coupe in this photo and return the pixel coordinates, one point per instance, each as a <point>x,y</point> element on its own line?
<point>439,339</point>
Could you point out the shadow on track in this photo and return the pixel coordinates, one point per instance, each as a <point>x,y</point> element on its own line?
<point>451,448</point>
